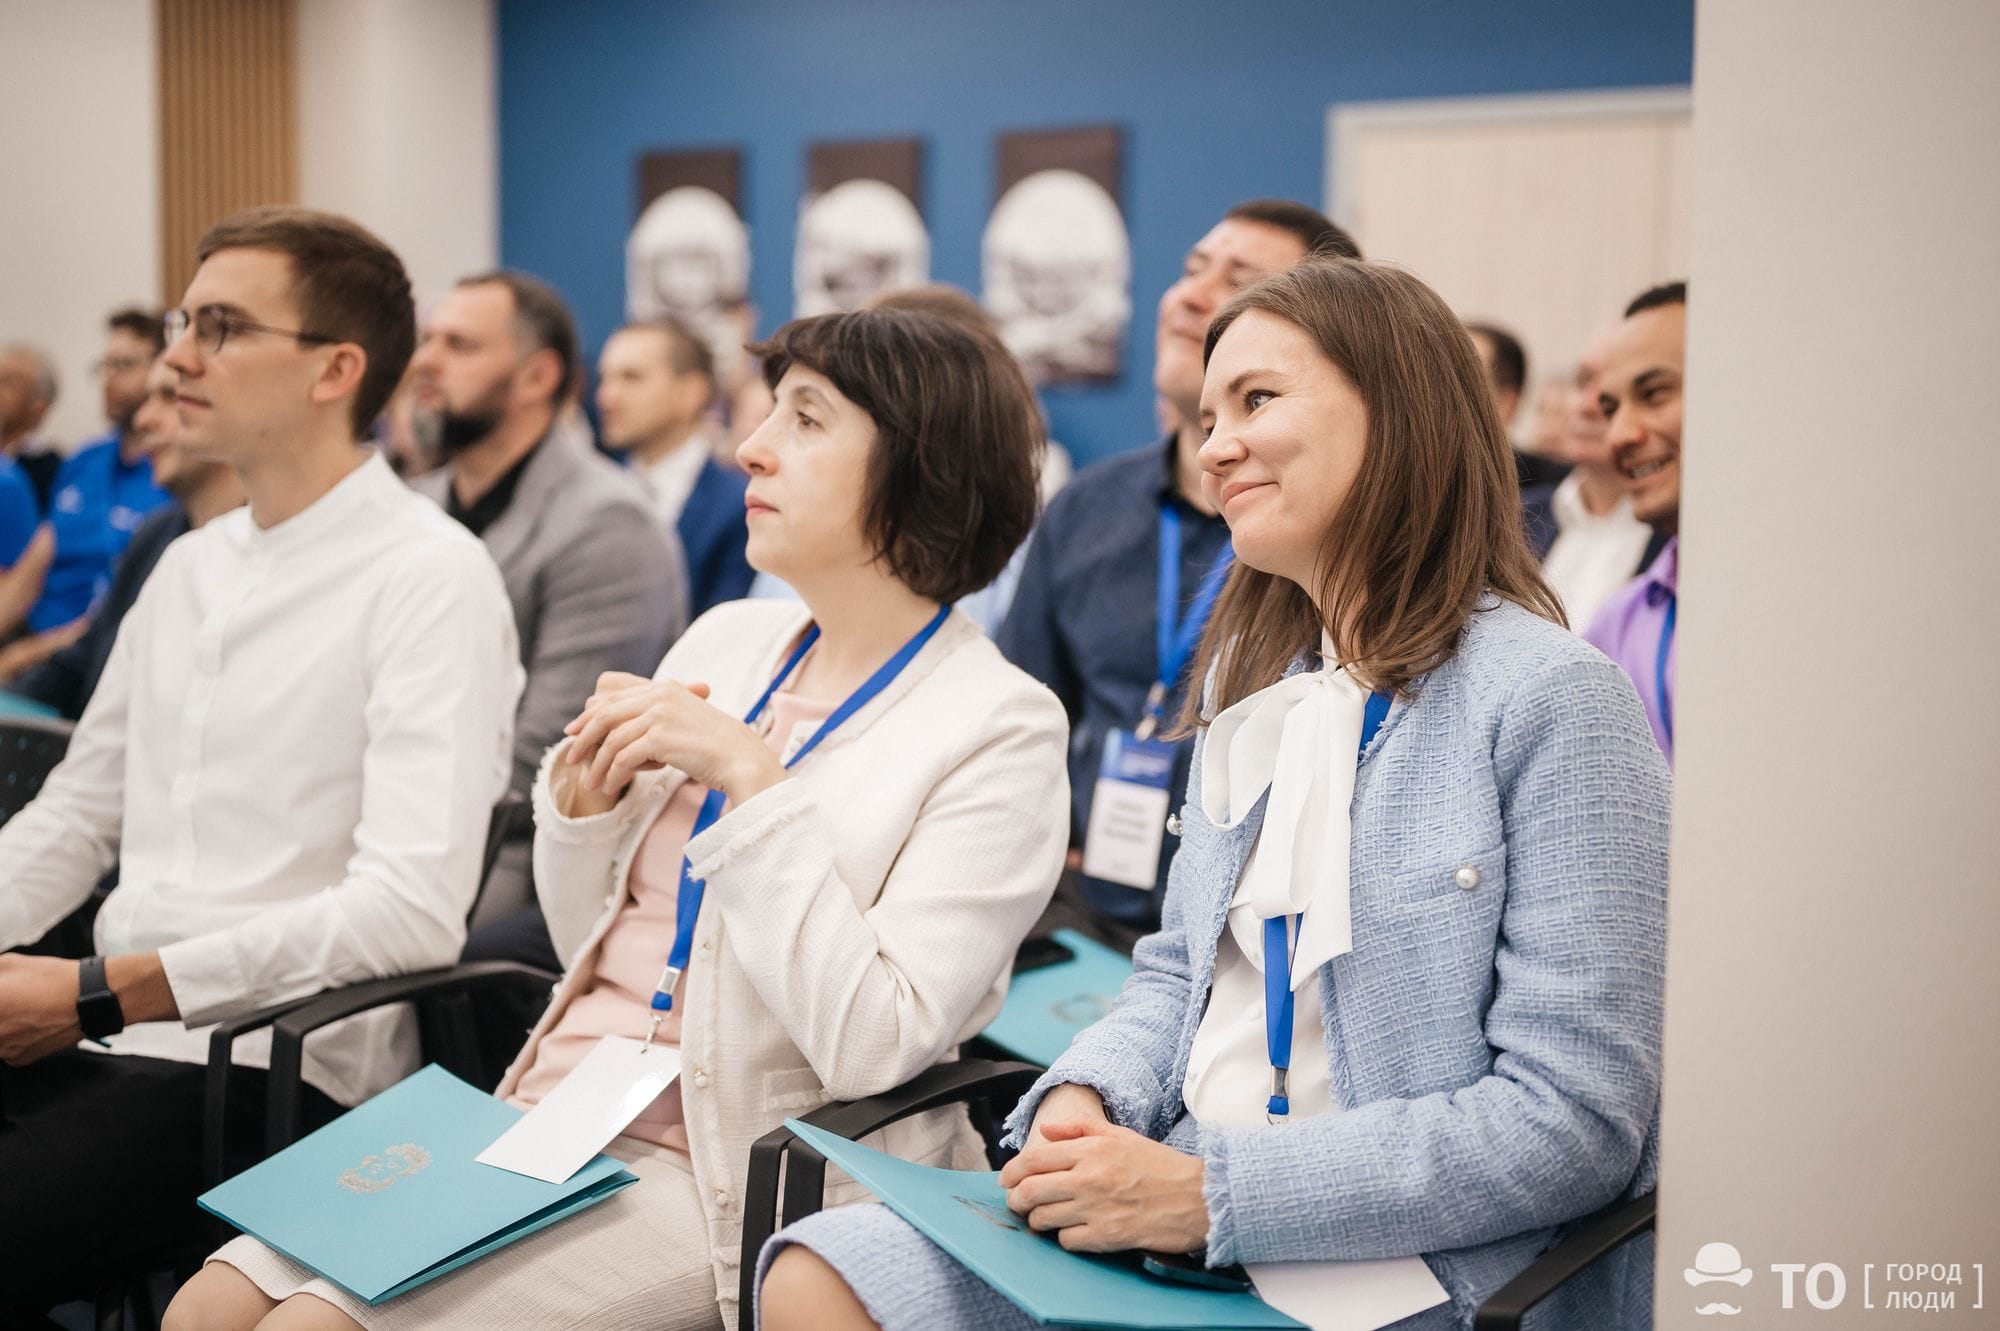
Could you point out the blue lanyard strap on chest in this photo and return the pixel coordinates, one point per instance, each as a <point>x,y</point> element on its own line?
<point>1175,634</point>
<point>1660,668</point>
<point>1279,1000</point>
<point>688,902</point>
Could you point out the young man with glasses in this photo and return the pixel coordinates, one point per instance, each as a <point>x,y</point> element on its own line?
<point>291,759</point>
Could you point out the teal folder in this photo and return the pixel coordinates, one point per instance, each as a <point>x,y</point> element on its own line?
<point>13,704</point>
<point>388,1195</point>
<point>966,1214</point>
<point>1046,1007</point>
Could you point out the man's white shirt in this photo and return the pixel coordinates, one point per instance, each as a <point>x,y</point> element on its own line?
<point>672,479</point>
<point>292,758</point>
<point>1592,556</point>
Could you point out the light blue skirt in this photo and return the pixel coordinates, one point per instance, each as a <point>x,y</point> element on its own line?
<point>908,1283</point>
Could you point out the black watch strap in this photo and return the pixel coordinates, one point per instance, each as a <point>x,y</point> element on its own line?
<point>97,1008</point>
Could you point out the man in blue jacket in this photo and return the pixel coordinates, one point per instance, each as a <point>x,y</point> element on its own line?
<point>655,382</point>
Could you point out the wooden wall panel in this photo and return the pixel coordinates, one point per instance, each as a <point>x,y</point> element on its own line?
<point>228,119</point>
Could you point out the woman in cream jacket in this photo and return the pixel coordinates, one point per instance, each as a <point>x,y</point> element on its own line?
<point>861,907</point>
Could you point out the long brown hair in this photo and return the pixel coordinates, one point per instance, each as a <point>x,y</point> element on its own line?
<point>1432,522</point>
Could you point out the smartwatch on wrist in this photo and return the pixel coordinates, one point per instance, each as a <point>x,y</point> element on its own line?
<point>97,1009</point>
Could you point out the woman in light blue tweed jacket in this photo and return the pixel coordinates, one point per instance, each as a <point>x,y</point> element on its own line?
<point>1472,920</point>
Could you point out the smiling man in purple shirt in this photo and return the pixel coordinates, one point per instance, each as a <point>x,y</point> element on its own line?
<point>1640,392</point>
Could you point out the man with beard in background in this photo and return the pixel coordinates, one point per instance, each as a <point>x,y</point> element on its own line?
<point>596,582</point>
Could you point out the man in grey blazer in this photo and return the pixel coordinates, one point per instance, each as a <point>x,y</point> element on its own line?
<point>596,583</point>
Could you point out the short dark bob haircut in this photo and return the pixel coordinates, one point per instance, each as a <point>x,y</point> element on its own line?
<point>954,478</point>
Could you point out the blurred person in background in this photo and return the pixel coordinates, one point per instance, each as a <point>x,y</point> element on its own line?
<point>1505,361</point>
<point>28,387</point>
<point>1583,527</point>
<point>595,581</point>
<point>102,493</point>
<point>1640,394</point>
<point>203,488</point>
<point>655,385</point>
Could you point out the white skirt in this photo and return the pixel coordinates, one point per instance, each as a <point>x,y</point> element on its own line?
<point>638,1259</point>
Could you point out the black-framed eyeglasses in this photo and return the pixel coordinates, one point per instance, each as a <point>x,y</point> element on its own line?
<point>213,324</point>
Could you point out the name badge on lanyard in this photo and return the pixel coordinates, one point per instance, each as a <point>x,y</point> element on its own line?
<point>620,1077</point>
<point>1135,773</point>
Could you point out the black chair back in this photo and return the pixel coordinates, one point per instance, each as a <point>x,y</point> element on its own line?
<point>30,748</point>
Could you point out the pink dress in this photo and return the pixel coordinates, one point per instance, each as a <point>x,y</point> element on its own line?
<point>617,988</point>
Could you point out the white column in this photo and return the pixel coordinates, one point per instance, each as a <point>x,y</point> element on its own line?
<point>1833,988</point>
<point>80,206</point>
<point>397,127</point>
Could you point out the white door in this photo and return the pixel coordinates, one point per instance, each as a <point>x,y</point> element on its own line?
<point>1544,214</point>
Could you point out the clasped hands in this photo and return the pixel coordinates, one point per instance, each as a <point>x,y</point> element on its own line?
<point>632,724</point>
<point>1101,1187</point>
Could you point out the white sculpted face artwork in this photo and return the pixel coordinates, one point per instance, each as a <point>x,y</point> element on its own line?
<point>1058,270</point>
<point>857,240</point>
<point>689,256</point>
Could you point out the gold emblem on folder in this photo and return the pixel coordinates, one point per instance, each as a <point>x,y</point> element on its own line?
<point>376,1172</point>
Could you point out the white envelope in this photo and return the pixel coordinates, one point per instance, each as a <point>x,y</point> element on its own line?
<point>1348,1296</point>
<point>594,1103</point>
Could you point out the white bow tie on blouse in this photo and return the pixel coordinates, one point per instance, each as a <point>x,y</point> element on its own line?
<point>1297,738</point>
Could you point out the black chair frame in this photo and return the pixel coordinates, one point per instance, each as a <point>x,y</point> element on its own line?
<point>1595,1236</point>
<point>444,1003</point>
<point>967,1081</point>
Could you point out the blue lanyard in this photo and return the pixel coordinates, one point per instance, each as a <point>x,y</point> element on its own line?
<point>1175,634</point>
<point>1278,998</point>
<point>1660,669</point>
<point>688,904</point>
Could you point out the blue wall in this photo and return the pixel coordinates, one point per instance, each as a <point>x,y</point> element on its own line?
<point>1220,101</point>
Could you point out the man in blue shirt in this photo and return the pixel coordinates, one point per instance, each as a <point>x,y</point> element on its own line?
<point>106,490</point>
<point>1086,617</point>
<point>202,487</point>
<point>27,392</point>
